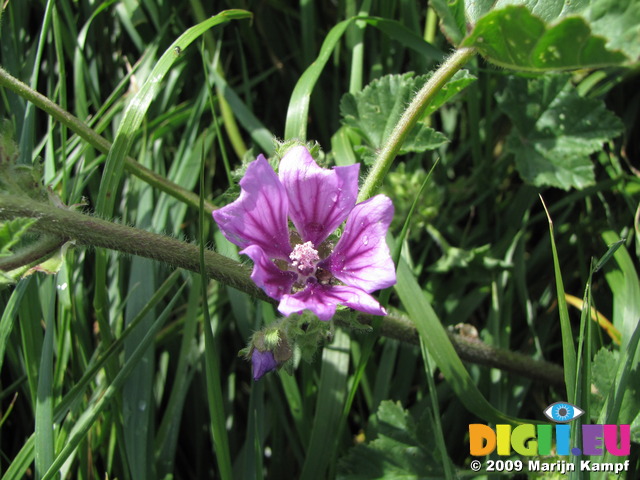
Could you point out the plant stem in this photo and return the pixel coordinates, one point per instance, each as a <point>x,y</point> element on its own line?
<point>98,142</point>
<point>70,225</point>
<point>96,232</point>
<point>409,118</point>
<point>32,254</point>
<point>474,350</point>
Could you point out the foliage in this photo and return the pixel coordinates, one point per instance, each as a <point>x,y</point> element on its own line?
<point>116,365</point>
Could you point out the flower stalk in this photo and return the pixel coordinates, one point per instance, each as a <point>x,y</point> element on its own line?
<point>409,118</point>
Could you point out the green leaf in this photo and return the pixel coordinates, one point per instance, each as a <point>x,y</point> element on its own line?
<point>515,38</point>
<point>10,233</point>
<point>555,131</point>
<point>399,449</point>
<point>452,19</point>
<point>604,362</point>
<point>617,20</point>
<point>624,284</point>
<point>375,111</point>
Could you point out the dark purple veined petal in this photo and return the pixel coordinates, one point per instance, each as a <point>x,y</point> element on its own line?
<point>262,363</point>
<point>259,215</point>
<point>319,199</point>
<point>267,275</point>
<point>361,257</point>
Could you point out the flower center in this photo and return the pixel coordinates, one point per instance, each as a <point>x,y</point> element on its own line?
<point>304,258</point>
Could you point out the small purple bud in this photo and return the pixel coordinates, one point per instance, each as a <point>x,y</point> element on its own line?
<point>262,362</point>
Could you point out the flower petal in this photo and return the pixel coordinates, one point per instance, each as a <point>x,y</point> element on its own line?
<point>312,298</point>
<point>262,363</point>
<point>361,257</point>
<point>259,215</point>
<point>323,300</point>
<point>319,199</point>
<point>355,298</point>
<point>267,275</point>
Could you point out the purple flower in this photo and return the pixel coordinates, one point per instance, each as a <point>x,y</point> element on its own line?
<point>300,268</point>
<point>263,362</point>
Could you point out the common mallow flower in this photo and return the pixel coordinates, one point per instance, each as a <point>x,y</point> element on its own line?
<point>300,267</point>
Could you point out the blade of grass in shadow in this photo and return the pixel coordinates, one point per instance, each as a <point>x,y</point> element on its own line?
<point>624,283</point>
<point>429,371</point>
<point>568,347</point>
<point>27,134</point>
<point>212,361</point>
<point>91,414</point>
<point>44,447</point>
<point>25,457</point>
<point>31,338</point>
<point>329,404</point>
<point>258,132</point>
<point>583,363</point>
<point>229,120</point>
<point>167,436</point>
<point>137,392</point>
<point>139,104</point>
<point>433,392</point>
<point>9,314</point>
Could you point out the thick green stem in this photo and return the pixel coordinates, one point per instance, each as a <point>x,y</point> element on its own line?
<point>409,118</point>
<point>69,225</point>
<point>93,231</point>
<point>32,254</point>
<point>98,142</point>
<point>475,351</point>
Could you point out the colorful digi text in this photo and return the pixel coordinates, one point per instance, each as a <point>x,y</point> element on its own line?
<point>548,441</point>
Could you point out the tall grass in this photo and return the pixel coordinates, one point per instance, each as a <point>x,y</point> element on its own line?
<point>116,366</point>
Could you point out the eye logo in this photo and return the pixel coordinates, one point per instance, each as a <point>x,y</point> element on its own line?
<point>562,412</point>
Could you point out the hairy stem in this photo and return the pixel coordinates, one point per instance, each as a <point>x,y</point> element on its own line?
<point>33,254</point>
<point>409,118</point>
<point>61,224</point>
<point>475,351</point>
<point>96,232</point>
<point>99,142</point>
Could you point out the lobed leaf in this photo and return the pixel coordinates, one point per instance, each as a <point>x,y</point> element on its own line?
<point>375,111</point>
<point>555,131</point>
<point>542,35</point>
<point>515,38</point>
<point>397,449</point>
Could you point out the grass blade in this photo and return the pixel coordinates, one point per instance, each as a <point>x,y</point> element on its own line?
<point>568,347</point>
<point>138,106</point>
<point>331,396</point>
<point>439,346</point>
<point>212,362</point>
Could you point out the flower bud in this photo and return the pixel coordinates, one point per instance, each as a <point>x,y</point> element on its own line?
<point>269,350</point>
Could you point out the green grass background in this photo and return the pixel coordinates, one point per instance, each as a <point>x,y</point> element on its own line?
<point>115,367</point>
